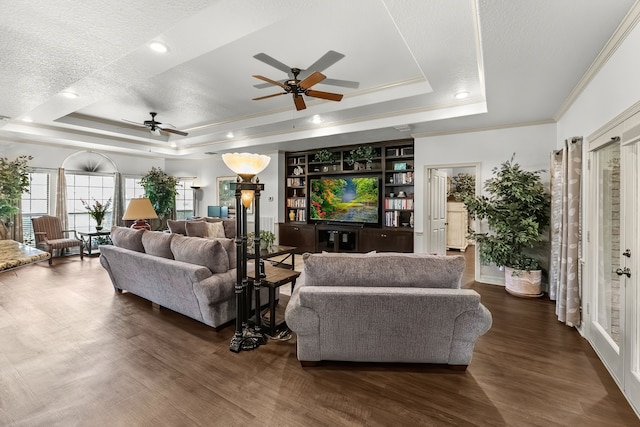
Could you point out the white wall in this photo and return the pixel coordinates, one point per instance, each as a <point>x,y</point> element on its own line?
<point>53,157</point>
<point>208,170</point>
<point>614,89</point>
<point>532,145</point>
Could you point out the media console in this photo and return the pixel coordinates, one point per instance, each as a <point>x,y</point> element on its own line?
<point>344,238</point>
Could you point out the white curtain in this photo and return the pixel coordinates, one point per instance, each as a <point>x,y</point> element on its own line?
<point>566,233</point>
<point>118,200</point>
<point>61,199</point>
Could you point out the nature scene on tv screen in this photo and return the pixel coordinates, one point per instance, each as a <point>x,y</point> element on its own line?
<point>345,199</point>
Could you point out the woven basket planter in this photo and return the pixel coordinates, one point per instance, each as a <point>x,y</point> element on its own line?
<point>523,283</point>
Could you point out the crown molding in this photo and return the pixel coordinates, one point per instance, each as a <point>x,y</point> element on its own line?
<point>483,129</point>
<point>619,36</point>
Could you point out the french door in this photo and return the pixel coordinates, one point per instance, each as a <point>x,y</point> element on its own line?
<point>613,312</point>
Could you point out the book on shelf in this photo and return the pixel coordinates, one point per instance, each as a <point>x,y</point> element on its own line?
<point>392,219</point>
<point>401,178</point>
<point>297,202</point>
<point>398,203</point>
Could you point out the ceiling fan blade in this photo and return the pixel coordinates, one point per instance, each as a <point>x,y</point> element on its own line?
<point>176,131</point>
<point>268,80</point>
<point>326,61</point>
<point>273,62</point>
<point>324,95</point>
<point>265,85</point>
<point>313,79</point>
<point>299,101</point>
<point>269,96</point>
<point>134,123</point>
<point>342,83</point>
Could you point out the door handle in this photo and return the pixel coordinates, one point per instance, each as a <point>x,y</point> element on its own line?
<point>625,271</point>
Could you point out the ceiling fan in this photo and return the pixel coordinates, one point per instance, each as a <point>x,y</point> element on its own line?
<point>155,126</point>
<point>300,81</point>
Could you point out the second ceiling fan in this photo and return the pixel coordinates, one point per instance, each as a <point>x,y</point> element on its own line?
<point>296,86</point>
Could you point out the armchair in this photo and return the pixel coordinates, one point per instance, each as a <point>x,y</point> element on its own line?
<point>50,235</point>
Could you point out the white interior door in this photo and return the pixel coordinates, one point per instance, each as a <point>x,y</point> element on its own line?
<point>437,211</point>
<point>614,315</point>
<point>628,269</point>
<point>608,314</point>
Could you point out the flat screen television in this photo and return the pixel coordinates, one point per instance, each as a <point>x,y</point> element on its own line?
<point>345,199</point>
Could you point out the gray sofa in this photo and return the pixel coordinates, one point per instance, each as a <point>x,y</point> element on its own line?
<point>191,275</point>
<point>387,307</point>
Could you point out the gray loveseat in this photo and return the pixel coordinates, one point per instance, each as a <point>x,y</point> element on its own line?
<point>191,275</point>
<point>385,308</point>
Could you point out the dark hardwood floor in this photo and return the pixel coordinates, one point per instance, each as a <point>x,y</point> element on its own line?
<point>74,353</point>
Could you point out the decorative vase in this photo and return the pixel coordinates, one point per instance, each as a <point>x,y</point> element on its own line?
<point>523,283</point>
<point>411,220</point>
<point>325,168</point>
<point>98,228</point>
<point>292,215</point>
<point>264,244</point>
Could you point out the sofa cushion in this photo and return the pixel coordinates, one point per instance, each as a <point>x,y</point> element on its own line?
<point>179,227</point>
<point>228,224</point>
<point>127,238</point>
<point>157,243</point>
<point>196,228</point>
<point>215,230</point>
<point>208,253</point>
<point>383,269</point>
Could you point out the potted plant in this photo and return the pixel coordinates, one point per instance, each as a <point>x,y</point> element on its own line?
<point>364,153</point>
<point>464,185</point>
<point>97,211</point>
<point>325,156</point>
<point>14,180</point>
<point>517,211</point>
<point>160,188</point>
<point>266,238</point>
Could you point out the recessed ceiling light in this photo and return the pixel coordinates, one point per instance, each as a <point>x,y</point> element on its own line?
<point>461,95</point>
<point>230,135</point>
<point>174,145</point>
<point>316,119</point>
<point>70,95</point>
<point>158,47</point>
<point>27,119</point>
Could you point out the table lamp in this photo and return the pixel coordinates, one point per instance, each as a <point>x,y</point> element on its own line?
<point>140,210</point>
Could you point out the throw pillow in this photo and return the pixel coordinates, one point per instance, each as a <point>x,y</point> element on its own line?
<point>208,253</point>
<point>215,230</point>
<point>177,227</point>
<point>196,228</point>
<point>158,244</point>
<point>127,238</point>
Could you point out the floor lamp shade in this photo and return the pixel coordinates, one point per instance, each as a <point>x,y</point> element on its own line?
<point>139,210</point>
<point>246,164</point>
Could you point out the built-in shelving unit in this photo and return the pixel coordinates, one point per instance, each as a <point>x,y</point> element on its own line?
<point>391,161</point>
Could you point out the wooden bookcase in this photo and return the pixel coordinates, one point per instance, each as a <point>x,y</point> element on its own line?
<point>393,162</point>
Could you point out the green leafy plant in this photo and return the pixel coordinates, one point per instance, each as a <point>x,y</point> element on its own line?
<point>464,185</point>
<point>324,156</point>
<point>265,236</point>
<point>14,180</point>
<point>160,188</point>
<point>364,153</point>
<point>98,210</point>
<point>517,211</point>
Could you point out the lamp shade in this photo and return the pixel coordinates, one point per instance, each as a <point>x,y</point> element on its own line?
<point>246,163</point>
<point>140,208</point>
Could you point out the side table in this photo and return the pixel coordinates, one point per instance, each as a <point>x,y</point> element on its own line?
<point>86,239</point>
<point>275,277</point>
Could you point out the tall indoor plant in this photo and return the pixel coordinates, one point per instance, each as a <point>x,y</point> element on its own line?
<point>160,188</point>
<point>517,212</point>
<point>14,180</point>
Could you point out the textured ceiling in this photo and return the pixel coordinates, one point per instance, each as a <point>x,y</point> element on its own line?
<point>519,59</point>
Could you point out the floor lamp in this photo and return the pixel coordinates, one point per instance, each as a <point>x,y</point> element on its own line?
<point>248,334</point>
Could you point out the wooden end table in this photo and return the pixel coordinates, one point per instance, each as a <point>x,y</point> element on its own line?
<point>276,277</point>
